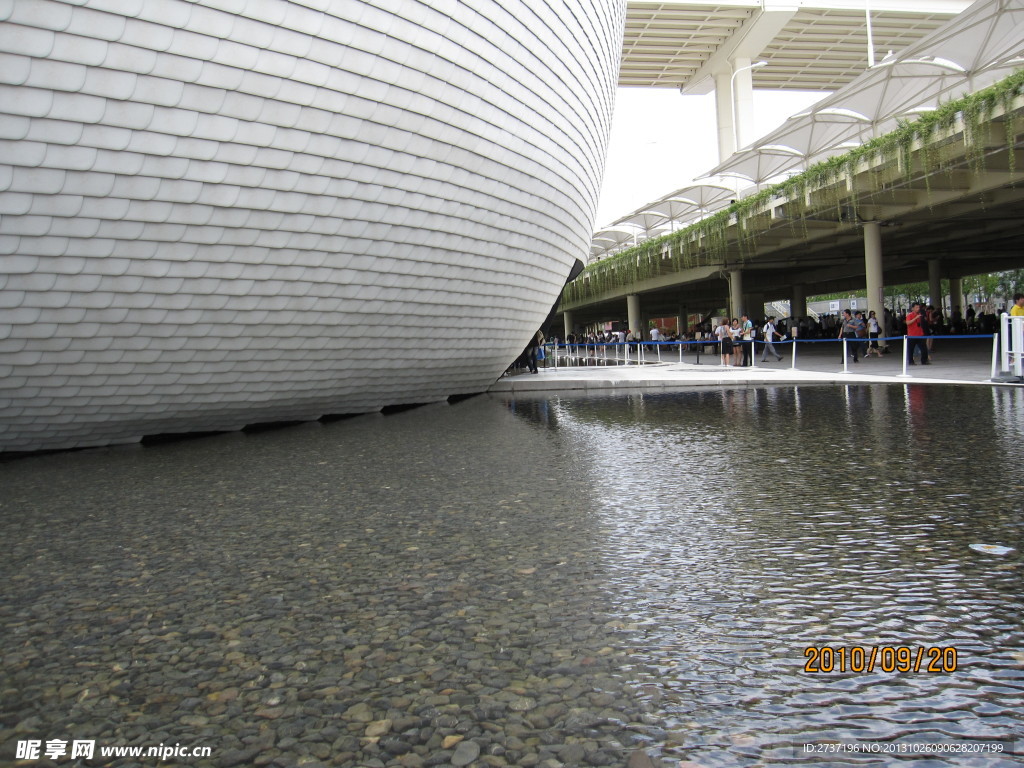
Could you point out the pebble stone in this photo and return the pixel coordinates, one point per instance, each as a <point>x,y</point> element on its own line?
<point>366,593</point>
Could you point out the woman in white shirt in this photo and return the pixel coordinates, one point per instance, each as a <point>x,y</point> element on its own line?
<point>736,332</point>
<point>874,332</point>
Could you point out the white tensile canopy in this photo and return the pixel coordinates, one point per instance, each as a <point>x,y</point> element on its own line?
<point>979,47</point>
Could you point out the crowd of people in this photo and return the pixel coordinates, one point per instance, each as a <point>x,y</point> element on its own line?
<point>865,333</point>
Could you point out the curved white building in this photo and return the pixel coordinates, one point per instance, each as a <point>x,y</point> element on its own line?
<point>236,211</point>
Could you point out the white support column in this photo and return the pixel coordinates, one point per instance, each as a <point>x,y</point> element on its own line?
<point>873,276</point>
<point>633,313</point>
<point>734,106</point>
<point>723,116</point>
<point>935,282</point>
<point>743,101</point>
<point>567,324</point>
<point>735,293</point>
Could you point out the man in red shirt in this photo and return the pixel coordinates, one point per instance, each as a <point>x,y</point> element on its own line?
<point>916,334</point>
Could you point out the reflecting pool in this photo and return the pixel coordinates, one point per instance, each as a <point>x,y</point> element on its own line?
<point>736,577</point>
<point>755,536</point>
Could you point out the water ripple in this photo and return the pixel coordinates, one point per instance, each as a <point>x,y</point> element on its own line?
<point>746,526</point>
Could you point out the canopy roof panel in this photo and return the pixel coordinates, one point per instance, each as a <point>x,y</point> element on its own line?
<point>980,47</point>
<point>809,45</point>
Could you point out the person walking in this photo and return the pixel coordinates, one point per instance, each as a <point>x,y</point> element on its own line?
<point>848,330</point>
<point>770,332</point>
<point>874,331</point>
<point>655,337</point>
<point>862,333</point>
<point>746,340</point>
<point>532,351</point>
<point>916,338</point>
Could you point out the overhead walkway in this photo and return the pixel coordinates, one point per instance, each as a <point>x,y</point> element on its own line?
<point>926,53</point>
<point>925,215</point>
<point>939,200</point>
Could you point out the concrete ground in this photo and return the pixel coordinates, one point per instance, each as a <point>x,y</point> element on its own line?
<point>954,360</point>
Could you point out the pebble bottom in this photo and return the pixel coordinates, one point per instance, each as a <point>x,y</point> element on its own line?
<point>419,589</point>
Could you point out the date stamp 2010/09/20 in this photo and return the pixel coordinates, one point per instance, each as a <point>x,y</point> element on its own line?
<point>883,658</point>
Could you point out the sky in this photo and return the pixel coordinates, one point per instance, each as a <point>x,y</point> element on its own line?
<point>661,140</point>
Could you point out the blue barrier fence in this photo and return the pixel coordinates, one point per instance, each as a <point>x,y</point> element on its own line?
<point>647,352</point>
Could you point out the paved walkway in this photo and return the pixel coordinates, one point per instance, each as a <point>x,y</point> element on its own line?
<point>954,361</point>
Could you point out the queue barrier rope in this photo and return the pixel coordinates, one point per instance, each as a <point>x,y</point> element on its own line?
<point>635,352</point>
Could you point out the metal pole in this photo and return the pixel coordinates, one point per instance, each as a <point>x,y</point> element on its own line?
<point>904,357</point>
<point>871,42</point>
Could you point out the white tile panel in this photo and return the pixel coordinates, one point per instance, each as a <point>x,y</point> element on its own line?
<point>81,50</point>
<point>60,157</point>
<point>25,40</point>
<point>192,45</point>
<point>79,228</point>
<point>215,204</point>
<point>86,22</point>
<point>28,102</point>
<point>100,136</point>
<point>183,68</point>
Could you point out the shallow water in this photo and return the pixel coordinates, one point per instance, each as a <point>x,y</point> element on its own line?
<point>747,526</point>
<point>569,578</point>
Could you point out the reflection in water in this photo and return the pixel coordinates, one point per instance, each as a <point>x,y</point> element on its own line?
<point>745,526</point>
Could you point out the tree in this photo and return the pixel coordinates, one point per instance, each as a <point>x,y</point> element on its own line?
<point>995,286</point>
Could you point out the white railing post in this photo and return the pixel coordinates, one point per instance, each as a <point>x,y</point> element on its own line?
<point>1004,336</point>
<point>905,350</point>
<point>793,366</point>
<point>1011,334</point>
<point>846,359</point>
<point>995,355</point>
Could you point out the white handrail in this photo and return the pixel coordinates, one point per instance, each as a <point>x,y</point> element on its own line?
<point>1011,344</point>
